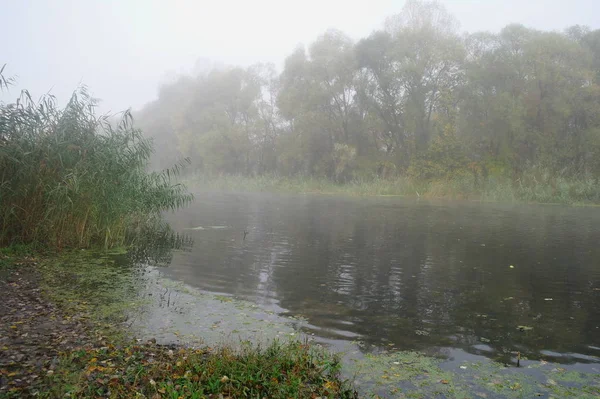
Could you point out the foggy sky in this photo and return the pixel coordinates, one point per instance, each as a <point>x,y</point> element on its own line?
<point>122,49</point>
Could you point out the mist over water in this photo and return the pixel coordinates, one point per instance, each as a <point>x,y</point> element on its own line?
<point>487,279</point>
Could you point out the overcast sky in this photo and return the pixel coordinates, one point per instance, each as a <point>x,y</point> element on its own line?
<point>122,49</point>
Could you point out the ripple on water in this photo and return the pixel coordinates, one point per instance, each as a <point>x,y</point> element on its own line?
<point>394,266</point>
<point>483,348</point>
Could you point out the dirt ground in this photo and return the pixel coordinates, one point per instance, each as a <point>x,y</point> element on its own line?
<point>32,331</point>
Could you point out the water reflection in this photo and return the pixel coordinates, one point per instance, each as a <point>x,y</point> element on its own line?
<point>154,245</point>
<point>404,274</point>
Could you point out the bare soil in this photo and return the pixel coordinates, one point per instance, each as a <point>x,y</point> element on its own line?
<point>33,331</point>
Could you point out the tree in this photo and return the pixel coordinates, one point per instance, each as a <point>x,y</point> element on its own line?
<point>317,98</point>
<point>408,67</point>
<point>413,95</point>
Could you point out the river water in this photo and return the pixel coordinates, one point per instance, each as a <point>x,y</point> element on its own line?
<point>485,279</point>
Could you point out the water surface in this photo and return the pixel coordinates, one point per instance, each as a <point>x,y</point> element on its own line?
<point>485,279</point>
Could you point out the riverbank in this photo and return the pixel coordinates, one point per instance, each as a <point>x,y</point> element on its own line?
<point>532,188</point>
<point>63,334</point>
<point>68,327</point>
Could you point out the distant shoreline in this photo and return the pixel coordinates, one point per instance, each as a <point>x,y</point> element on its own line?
<point>496,190</point>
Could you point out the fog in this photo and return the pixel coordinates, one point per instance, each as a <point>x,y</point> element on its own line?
<point>124,49</point>
<point>492,100</point>
<point>380,171</point>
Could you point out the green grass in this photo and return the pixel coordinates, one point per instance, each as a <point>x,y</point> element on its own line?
<point>280,370</point>
<point>274,183</point>
<point>9,255</point>
<point>532,187</point>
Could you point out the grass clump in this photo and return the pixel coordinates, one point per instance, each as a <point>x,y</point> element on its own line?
<point>69,178</point>
<point>281,370</point>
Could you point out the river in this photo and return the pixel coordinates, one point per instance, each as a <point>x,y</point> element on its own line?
<point>488,279</point>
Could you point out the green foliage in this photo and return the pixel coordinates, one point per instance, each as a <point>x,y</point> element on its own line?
<point>71,179</point>
<point>344,158</point>
<point>415,99</point>
<point>445,158</point>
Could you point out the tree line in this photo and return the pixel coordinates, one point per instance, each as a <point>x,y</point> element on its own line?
<point>415,98</point>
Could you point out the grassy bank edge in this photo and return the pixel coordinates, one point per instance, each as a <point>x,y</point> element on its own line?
<point>120,367</point>
<point>559,191</point>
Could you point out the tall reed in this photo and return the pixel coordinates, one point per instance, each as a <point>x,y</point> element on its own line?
<point>69,178</point>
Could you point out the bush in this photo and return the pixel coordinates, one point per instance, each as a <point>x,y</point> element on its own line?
<point>71,179</point>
